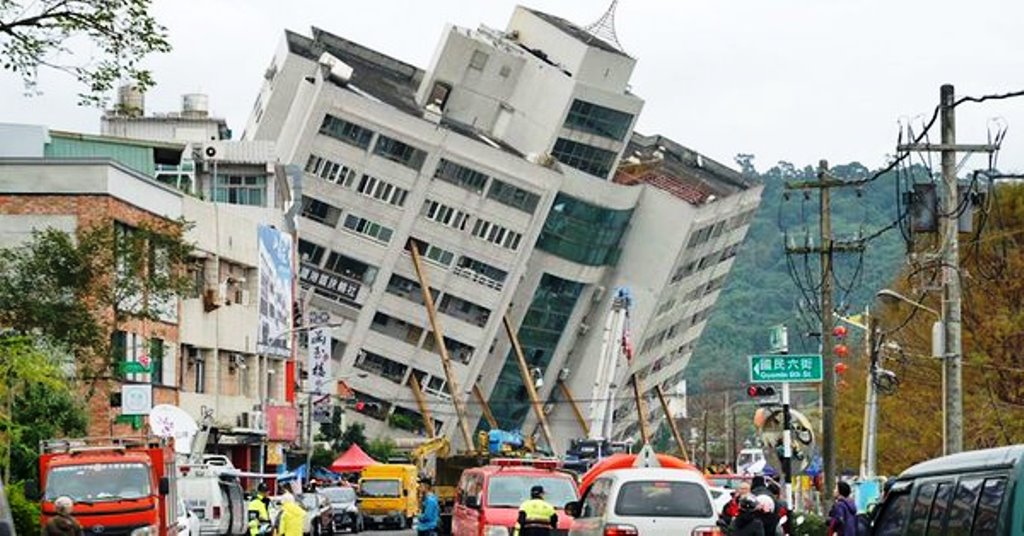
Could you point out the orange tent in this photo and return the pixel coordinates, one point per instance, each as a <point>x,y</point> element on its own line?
<point>625,461</point>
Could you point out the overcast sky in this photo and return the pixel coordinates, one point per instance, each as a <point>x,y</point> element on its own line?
<point>795,80</point>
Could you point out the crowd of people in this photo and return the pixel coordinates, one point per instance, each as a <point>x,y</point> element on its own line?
<point>756,509</point>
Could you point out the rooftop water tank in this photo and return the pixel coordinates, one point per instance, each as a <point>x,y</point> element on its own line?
<point>195,105</point>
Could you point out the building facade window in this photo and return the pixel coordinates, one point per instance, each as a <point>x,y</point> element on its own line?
<point>481,272</point>
<point>513,196</point>
<point>310,252</point>
<point>439,255</point>
<point>445,215</point>
<point>586,158</point>
<point>368,228</point>
<point>381,366</point>
<point>461,176</point>
<point>596,119</point>
<point>542,327</point>
<point>156,361</point>
<point>351,268</point>
<point>478,61</point>
<point>346,132</point>
<point>249,190</point>
<point>330,171</point>
<point>399,152</point>
<point>320,211</point>
<point>582,232</point>
<point>496,234</point>
<point>381,190</point>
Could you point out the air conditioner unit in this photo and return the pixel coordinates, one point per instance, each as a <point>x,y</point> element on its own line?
<point>598,294</point>
<point>251,420</point>
<point>548,408</point>
<point>583,328</point>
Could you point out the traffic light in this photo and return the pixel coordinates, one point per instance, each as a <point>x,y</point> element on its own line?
<point>360,406</point>
<point>758,391</point>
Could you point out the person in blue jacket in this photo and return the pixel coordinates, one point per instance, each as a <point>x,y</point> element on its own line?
<point>428,521</point>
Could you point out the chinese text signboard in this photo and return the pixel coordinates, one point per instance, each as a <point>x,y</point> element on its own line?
<point>319,364</point>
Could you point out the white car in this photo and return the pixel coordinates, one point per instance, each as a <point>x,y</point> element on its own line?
<point>720,497</point>
<point>652,501</point>
<point>188,522</point>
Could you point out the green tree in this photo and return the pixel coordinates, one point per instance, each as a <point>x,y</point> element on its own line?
<point>322,458</point>
<point>353,435</point>
<point>381,449</point>
<point>24,366</point>
<point>78,290</point>
<point>110,39</point>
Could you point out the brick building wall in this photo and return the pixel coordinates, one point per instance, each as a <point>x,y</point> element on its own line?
<point>91,210</point>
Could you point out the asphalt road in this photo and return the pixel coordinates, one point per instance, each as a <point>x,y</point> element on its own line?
<point>402,532</point>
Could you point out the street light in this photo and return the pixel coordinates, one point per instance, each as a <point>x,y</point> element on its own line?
<point>938,349</point>
<point>892,295</point>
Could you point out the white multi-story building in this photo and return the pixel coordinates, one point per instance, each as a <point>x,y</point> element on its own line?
<point>512,164</point>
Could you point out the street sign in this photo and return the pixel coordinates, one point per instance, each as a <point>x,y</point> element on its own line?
<point>133,367</point>
<point>778,340</point>
<point>785,368</point>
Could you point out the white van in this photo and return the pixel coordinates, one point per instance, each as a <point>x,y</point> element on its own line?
<point>648,501</point>
<point>217,501</point>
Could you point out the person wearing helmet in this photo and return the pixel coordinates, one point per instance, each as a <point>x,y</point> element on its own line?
<point>536,516</point>
<point>747,522</point>
<point>258,513</point>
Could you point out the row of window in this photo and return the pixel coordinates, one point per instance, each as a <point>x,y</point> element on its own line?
<point>497,234</point>
<point>445,215</point>
<point>475,181</point>
<point>329,215</point>
<point>368,228</point>
<point>586,158</point>
<point>714,230</point>
<point>672,331</point>
<point>382,190</point>
<point>386,147</point>
<point>582,232</point>
<point>595,119</point>
<point>710,259</point>
<point>248,190</point>
<point>413,335</point>
<point>331,171</point>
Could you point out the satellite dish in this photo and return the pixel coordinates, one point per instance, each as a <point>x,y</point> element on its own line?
<point>171,421</point>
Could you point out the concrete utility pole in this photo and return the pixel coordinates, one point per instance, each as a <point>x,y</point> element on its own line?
<point>949,216</point>
<point>825,250</point>
<point>951,295</point>
<point>828,422</point>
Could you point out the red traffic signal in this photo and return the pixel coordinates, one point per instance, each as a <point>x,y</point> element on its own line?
<point>757,391</point>
<point>360,406</point>
<point>839,332</point>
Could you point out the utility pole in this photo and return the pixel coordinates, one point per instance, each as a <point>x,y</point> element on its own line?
<point>874,352</point>
<point>951,296</point>
<point>949,216</point>
<point>827,247</point>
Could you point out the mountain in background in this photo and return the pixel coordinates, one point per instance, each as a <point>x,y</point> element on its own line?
<point>760,291</point>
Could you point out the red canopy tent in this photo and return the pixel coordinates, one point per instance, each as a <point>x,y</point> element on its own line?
<point>353,460</point>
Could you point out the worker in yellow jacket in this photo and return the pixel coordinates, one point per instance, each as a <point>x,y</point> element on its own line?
<point>293,517</point>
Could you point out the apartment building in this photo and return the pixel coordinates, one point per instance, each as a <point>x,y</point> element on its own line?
<point>206,350</point>
<point>507,163</point>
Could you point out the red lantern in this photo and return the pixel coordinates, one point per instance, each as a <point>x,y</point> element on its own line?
<point>841,351</point>
<point>841,368</point>
<point>839,332</point>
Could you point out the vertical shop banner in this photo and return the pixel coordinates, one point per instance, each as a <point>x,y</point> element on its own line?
<point>275,292</point>
<point>319,364</point>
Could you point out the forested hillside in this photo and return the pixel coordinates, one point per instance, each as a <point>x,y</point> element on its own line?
<point>760,291</point>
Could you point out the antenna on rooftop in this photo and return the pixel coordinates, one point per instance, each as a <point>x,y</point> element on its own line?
<point>604,28</point>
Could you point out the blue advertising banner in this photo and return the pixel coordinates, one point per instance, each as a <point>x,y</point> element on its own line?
<point>275,292</point>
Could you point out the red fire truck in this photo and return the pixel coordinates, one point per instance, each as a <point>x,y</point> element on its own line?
<point>120,486</point>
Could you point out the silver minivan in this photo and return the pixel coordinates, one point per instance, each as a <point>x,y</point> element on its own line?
<point>652,501</point>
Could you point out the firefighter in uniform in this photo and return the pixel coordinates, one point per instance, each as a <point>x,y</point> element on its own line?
<point>536,516</point>
<point>258,513</point>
